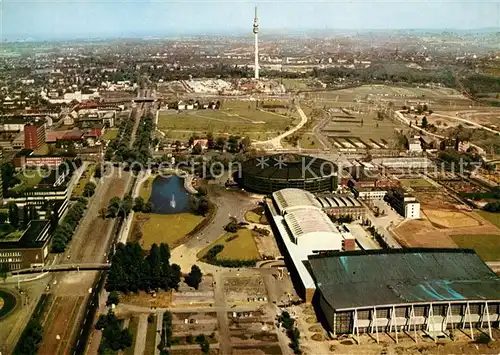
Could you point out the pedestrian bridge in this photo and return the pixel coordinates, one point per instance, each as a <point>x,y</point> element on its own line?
<point>62,268</point>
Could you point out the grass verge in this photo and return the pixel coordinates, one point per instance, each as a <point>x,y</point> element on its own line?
<point>132,327</point>
<point>150,347</point>
<point>242,247</point>
<point>487,246</point>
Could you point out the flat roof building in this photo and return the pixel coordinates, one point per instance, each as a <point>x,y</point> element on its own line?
<point>411,290</point>
<point>29,250</point>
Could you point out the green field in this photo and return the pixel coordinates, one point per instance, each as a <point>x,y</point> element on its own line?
<point>493,218</point>
<point>487,246</point>
<point>241,248</point>
<point>110,133</point>
<point>415,183</point>
<point>84,179</point>
<point>234,118</point>
<point>295,84</point>
<point>162,228</point>
<point>146,188</point>
<point>132,327</point>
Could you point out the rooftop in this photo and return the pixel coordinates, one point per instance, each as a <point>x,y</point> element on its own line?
<point>305,221</point>
<point>417,275</point>
<point>33,237</point>
<point>287,199</point>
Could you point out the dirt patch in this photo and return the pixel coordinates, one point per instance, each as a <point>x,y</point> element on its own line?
<point>161,299</point>
<point>450,219</point>
<point>318,337</point>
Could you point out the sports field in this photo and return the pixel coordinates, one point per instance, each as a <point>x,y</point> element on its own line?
<point>150,228</point>
<point>234,118</point>
<point>487,246</point>
<point>242,247</point>
<point>415,183</point>
<point>493,218</point>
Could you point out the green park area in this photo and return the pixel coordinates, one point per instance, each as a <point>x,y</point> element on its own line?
<point>146,188</point>
<point>491,217</point>
<point>241,118</point>
<point>84,179</point>
<point>237,246</point>
<point>415,183</point>
<point>110,134</point>
<point>29,179</point>
<point>487,246</point>
<point>256,215</point>
<point>150,228</point>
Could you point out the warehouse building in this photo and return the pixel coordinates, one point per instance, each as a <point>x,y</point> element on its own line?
<point>413,290</point>
<point>302,229</point>
<point>341,205</point>
<point>405,204</point>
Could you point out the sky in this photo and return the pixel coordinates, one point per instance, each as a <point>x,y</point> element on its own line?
<point>67,19</point>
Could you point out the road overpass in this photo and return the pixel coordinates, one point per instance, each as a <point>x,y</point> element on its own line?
<point>63,268</point>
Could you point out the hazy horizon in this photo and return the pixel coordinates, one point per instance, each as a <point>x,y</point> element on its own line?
<point>73,19</point>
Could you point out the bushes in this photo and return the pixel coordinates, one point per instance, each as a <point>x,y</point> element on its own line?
<point>492,207</point>
<point>211,258</point>
<point>193,279</point>
<point>114,337</point>
<point>30,339</point>
<point>89,189</point>
<point>166,332</point>
<point>65,230</point>
<point>292,331</point>
<point>378,237</point>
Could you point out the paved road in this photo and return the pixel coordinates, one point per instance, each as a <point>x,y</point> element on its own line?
<point>469,122</point>
<point>140,339</point>
<point>275,143</point>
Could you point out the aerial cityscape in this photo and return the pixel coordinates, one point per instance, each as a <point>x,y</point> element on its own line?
<point>249,178</point>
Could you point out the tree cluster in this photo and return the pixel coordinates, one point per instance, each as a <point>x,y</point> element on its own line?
<point>492,207</point>
<point>143,141</point>
<point>132,269</point>
<point>141,206</point>
<point>199,204</point>
<point>193,279</point>
<point>211,258</point>
<point>291,330</point>
<point>378,237</point>
<point>346,218</point>
<point>9,178</point>
<point>64,231</point>
<point>166,333</point>
<point>118,148</point>
<point>30,339</point>
<point>113,336</point>
<point>89,189</point>
<point>118,207</point>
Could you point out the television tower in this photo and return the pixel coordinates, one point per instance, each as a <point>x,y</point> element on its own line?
<point>256,34</point>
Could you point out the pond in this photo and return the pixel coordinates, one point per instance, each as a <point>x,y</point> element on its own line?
<point>168,195</point>
<point>7,303</point>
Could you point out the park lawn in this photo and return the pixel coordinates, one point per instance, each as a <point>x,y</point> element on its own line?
<point>487,246</point>
<point>164,228</point>
<point>415,183</point>
<point>493,218</point>
<point>150,347</point>
<point>235,117</point>
<point>84,179</point>
<point>28,179</point>
<point>309,141</point>
<point>133,325</point>
<point>110,134</point>
<point>241,248</point>
<point>252,217</point>
<point>146,188</point>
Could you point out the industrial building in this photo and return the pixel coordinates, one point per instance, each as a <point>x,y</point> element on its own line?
<point>267,174</point>
<point>341,205</point>
<point>405,204</point>
<point>29,250</point>
<point>302,229</point>
<point>410,290</point>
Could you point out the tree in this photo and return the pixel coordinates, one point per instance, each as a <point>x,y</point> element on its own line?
<point>232,226</point>
<point>138,204</point>
<point>98,172</point>
<point>197,149</point>
<point>148,207</point>
<point>193,279</point>
<point>89,189</point>
<point>425,124</point>
<point>13,214</point>
<point>113,298</point>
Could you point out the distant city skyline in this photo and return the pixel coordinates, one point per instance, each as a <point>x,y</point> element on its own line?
<point>68,19</point>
